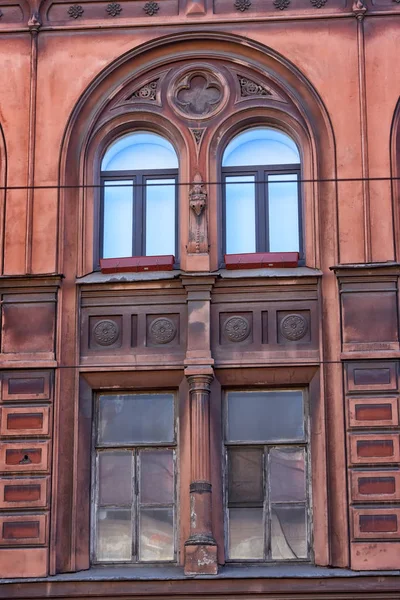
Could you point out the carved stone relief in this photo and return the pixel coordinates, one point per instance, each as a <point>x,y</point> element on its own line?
<point>197,134</point>
<point>162,331</point>
<point>198,233</point>
<point>237,329</point>
<point>249,88</point>
<point>197,94</point>
<point>105,332</point>
<point>294,327</point>
<point>147,92</point>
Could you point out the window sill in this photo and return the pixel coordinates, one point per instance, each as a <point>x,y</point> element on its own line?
<point>137,264</point>
<point>257,260</point>
<point>175,573</point>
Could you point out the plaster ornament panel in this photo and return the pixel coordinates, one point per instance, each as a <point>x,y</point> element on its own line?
<point>105,332</point>
<point>294,327</point>
<point>198,94</point>
<point>162,331</point>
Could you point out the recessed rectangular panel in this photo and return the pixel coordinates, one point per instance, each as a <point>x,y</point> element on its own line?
<point>372,485</point>
<point>156,476</point>
<point>245,476</point>
<point>21,421</point>
<point>378,448</point>
<point>265,416</point>
<point>115,478</point>
<point>287,475</point>
<point>26,385</point>
<point>376,523</point>
<point>135,419</point>
<point>360,325</point>
<point>27,530</point>
<point>37,318</point>
<point>23,492</point>
<point>24,456</point>
<point>373,412</point>
<point>371,376</point>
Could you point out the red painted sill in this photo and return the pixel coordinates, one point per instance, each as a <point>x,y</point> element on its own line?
<point>135,264</point>
<point>259,260</point>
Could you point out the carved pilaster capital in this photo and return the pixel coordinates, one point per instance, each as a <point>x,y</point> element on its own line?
<point>200,382</point>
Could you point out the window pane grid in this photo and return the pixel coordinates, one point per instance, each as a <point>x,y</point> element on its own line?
<point>134,496</point>
<point>277,209</point>
<point>266,489</point>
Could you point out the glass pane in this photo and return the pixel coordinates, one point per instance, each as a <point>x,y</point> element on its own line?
<point>261,146</point>
<point>246,538</point>
<point>136,418</point>
<point>283,213</point>
<point>240,214</point>
<point>138,151</point>
<point>156,476</point>
<point>118,219</point>
<point>287,477</point>
<point>160,217</point>
<point>115,478</point>
<point>245,475</point>
<point>265,416</point>
<point>114,534</point>
<point>288,532</point>
<point>156,534</point>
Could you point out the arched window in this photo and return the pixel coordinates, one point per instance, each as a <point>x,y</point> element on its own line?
<point>261,172</point>
<point>139,172</point>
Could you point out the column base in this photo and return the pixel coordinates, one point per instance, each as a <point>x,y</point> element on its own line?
<point>200,559</point>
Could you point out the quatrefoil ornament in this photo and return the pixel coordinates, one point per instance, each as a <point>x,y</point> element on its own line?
<point>198,94</point>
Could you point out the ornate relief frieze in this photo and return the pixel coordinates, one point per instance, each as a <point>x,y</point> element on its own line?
<point>75,11</point>
<point>198,94</point>
<point>113,9</point>
<point>242,5</point>
<point>151,8</point>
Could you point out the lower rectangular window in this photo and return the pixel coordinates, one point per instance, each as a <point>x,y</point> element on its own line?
<point>266,485</point>
<point>134,472</point>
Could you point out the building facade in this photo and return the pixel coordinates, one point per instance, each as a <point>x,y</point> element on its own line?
<point>199,265</point>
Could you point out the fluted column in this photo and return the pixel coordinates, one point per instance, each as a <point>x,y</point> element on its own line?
<point>201,549</point>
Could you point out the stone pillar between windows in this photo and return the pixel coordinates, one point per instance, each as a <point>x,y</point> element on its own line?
<point>200,548</point>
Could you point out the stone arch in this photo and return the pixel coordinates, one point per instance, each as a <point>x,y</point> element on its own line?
<point>3,193</point>
<point>311,119</point>
<point>395,174</point>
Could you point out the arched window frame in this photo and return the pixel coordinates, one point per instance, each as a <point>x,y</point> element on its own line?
<point>261,173</point>
<point>138,191</point>
<point>90,194</point>
<point>286,121</point>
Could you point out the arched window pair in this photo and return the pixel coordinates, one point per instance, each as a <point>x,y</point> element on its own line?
<point>260,173</point>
